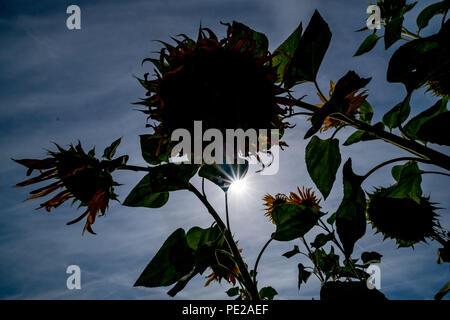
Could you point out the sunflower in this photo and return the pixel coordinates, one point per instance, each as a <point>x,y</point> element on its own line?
<point>225,268</point>
<point>440,84</point>
<point>226,84</point>
<point>355,101</point>
<point>81,177</point>
<point>304,197</point>
<point>402,219</point>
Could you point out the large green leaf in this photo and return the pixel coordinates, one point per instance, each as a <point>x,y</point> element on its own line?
<point>435,130</point>
<point>285,52</point>
<point>152,190</point>
<point>350,216</point>
<point>413,126</point>
<point>367,45</point>
<point>321,239</point>
<point>409,179</point>
<point>309,53</point>
<point>223,175</point>
<point>323,159</point>
<point>154,150</point>
<point>421,60</point>
<point>338,103</point>
<point>429,12</point>
<point>174,260</point>
<point>293,220</point>
<point>398,114</point>
<point>291,253</point>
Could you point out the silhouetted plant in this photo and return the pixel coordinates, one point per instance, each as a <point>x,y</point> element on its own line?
<point>236,83</point>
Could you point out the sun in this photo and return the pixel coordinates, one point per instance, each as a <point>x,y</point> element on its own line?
<point>238,186</point>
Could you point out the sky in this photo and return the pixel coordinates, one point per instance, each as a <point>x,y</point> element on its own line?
<point>60,85</point>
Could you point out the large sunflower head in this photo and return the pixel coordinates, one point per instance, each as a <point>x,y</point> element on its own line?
<point>402,219</point>
<point>79,176</point>
<point>227,84</point>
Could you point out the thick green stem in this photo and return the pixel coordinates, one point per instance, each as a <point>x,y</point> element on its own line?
<point>246,278</point>
<point>413,147</point>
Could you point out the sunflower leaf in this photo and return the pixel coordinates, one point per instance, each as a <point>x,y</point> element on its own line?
<point>255,40</point>
<point>293,220</point>
<point>398,114</point>
<point>368,44</point>
<point>414,125</point>
<point>323,159</point>
<point>393,31</point>
<point>154,149</point>
<point>309,53</point>
<point>429,12</point>
<point>267,293</point>
<point>351,214</point>
<point>174,260</point>
<point>303,275</point>
<point>291,253</point>
<point>435,130</point>
<point>110,151</point>
<point>409,179</point>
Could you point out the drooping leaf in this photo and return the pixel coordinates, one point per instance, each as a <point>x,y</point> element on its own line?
<point>285,52</point>
<point>444,290</point>
<point>370,257</point>
<point>303,275</point>
<point>350,216</point>
<point>429,12</point>
<point>174,260</point>
<point>154,149</point>
<point>409,179</point>
<point>393,31</point>
<point>291,253</point>
<point>223,175</point>
<point>358,136</point>
<point>413,126</point>
<point>267,293</point>
<point>368,44</point>
<point>110,151</point>
<point>310,52</point>
<point>293,220</point>
<point>152,190</point>
<point>321,239</point>
<point>338,103</point>
<point>323,159</point>
<point>435,130</point>
<point>398,114</point>
<point>366,112</point>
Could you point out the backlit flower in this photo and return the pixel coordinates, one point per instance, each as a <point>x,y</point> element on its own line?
<point>76,175</point>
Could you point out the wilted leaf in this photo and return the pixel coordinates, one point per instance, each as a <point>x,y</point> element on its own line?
<point>285,52</point>
<point>323,159</point>
<point>256,40</point>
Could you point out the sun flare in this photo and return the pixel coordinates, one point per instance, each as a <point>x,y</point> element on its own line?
<point>238,186</point>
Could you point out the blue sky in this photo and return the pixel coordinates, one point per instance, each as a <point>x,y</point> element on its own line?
<point>58,85</point>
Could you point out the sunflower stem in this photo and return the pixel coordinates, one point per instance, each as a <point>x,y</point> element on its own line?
<point>255,268</point>
<point>226,212</point>
<point>246,278</point>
